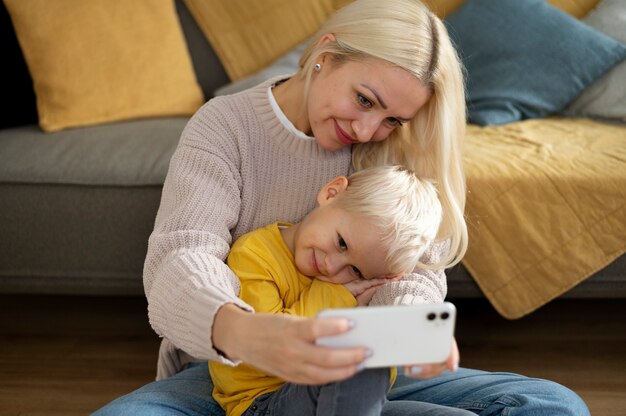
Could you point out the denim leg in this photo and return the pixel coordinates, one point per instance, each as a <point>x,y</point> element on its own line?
<point>412,408</point>
<point>491,394</point>
<point>363,395</point>
<point>187,393</point>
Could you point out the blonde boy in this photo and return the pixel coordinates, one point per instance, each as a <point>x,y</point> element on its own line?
<point>366,229</point>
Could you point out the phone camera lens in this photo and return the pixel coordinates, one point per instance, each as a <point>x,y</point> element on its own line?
<point>445,315</point>
<point>431,316</point>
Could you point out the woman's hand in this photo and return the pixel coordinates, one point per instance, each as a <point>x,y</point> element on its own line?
<point>434,370</point>
<point>284,345</point>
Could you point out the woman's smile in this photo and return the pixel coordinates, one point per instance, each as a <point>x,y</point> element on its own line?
<point>343,137</point>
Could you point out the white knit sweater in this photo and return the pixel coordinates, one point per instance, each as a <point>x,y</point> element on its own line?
<point>237,168</point>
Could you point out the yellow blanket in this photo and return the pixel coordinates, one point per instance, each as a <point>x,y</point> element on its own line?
<point>546,207</point>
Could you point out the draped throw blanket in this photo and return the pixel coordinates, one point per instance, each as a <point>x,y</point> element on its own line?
<point>546,207</point>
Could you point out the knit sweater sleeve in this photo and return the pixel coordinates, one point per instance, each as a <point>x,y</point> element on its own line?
<point>421,286</point>
<point>185,277</point>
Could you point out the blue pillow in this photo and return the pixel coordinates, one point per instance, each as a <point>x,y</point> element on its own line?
<point>525,58</point>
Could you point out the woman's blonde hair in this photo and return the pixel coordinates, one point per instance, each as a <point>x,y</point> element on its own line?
<point>403,208</point>
<point>407,34</point>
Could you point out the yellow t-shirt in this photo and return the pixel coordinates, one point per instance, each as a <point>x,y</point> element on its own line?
<point>270,283</point>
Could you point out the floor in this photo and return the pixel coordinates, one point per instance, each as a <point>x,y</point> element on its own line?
<point>63,355</point>
<point>579,343</point>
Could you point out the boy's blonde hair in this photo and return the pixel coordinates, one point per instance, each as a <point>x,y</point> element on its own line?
<point>404,208</point>
<point>407,34</point>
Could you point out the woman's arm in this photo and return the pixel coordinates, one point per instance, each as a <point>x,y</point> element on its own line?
<point>278,338</point>
<point>284,345</point>
<point>185,278</point>
<point>191,292</point>
<point>421,286</point>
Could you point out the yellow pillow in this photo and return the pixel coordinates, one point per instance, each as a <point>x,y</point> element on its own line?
<point>577,8</point>
<point>95,61</point>
<point>249,35</point>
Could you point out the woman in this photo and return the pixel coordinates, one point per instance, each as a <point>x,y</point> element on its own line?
<point>379,84</point>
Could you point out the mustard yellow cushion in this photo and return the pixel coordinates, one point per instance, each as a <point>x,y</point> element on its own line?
<point>249,35</point>
<point>95,61</point>
<point>577,8</point>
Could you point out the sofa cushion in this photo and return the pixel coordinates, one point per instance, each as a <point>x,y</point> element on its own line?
<point>285,65</point>
<point>126,153</point>
<point>288,63</point>
<point>247,36</point>
<point>95,62</point>
<point>605,98</point>
<point>75,239</point>
<point>78,206</point>
<point>526,59</point>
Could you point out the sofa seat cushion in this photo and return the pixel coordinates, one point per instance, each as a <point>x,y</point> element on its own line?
<point>78,207</point>
<point>126,154</point>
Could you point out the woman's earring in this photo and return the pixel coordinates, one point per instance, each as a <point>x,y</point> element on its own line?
<point>318,67</point>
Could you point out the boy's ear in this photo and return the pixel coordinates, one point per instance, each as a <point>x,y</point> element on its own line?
<point>332,189</point>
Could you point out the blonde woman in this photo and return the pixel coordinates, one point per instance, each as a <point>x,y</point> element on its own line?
<point>379,84</point>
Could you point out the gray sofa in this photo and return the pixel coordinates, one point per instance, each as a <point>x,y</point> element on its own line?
<point>77,206</point>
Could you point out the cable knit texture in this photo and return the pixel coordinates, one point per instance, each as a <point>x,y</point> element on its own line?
<point>236,168</point>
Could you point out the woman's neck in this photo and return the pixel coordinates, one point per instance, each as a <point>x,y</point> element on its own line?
<point>289,96</point>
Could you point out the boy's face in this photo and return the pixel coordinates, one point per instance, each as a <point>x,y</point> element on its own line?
<point>337,246</point>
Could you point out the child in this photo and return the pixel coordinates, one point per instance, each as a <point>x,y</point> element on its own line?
<point>365,230</point>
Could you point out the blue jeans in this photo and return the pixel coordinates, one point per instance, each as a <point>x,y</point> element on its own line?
<point>189,393</point>
<point>364,394</point>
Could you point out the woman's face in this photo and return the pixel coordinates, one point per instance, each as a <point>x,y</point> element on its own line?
<point>361,101</point>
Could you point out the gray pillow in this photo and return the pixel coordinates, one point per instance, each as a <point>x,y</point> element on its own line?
<point>285,65</point>
<point>605,98</point>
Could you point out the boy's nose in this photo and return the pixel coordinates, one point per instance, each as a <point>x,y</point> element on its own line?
<point>333,264</point>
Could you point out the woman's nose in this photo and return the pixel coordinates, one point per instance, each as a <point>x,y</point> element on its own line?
<point>365,127</point>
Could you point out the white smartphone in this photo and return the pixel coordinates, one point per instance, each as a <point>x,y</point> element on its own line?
<point>397,335</point>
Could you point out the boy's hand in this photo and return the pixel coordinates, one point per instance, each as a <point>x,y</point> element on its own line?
<point>363,290</point>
